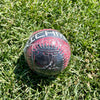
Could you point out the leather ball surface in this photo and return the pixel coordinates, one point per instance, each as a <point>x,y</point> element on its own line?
<point>47,52</point>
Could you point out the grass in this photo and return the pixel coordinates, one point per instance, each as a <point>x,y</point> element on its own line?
<point>78,20</point>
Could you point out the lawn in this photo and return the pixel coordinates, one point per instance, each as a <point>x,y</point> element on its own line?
<point>78,21</point>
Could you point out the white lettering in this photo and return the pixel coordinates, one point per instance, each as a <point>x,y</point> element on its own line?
<point>56,33</point>
<point>46,33</point>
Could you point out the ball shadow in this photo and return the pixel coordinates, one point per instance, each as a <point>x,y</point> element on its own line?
<point>28,77</point>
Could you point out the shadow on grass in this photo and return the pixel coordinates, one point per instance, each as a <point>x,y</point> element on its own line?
<point>74,1</point>
<point>27,77</point>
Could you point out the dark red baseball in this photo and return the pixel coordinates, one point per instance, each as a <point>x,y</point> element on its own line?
<point>47,52</point>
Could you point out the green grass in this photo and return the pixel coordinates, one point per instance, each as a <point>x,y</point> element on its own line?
<point>78,20</point>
